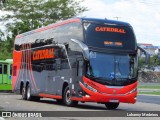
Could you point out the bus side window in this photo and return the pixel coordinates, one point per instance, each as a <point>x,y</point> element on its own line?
<point>0,68</point>
<point>80,68</point>
<point>5,69</point>
<point>14,70</point>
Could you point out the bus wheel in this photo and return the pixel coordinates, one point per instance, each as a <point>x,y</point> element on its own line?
<point>24,95</point>
<point>111,106</point>
<point>67,98</point>
<point>29,92</point>
<point>29,97</point>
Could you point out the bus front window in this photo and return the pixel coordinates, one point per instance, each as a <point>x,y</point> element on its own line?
<point>109,67</point>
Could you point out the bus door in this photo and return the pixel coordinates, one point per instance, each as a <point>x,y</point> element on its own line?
<point>3,74</point>
<point>79,74</point>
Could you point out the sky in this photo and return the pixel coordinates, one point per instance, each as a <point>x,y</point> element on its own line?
<point>143,15</point>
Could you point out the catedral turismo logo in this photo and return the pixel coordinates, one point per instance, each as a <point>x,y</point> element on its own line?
<point>109,29</point>
<point>43,54</point>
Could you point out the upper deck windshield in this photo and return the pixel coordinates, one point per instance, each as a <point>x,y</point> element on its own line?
<point>109,36</point>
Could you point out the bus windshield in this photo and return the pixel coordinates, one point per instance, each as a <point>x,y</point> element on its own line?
<point>112,66</point>
<point>109,36</point>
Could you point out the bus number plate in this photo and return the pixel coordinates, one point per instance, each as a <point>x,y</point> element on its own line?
<point>114,100</point>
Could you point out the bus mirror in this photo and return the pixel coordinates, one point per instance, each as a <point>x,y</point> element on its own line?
<point>83,47</point>
<point>58,64</point>
<point>147,55</point>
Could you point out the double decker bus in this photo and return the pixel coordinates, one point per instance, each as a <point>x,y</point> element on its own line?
<point>78,60</point>
<point>5,75</point>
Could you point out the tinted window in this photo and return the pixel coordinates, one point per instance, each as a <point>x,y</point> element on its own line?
<point>10,69</point>
<point>66,32</point>
<point>59,34</point>
<point>14,70</point>
<point>109,36</point>
<point>5,69</point>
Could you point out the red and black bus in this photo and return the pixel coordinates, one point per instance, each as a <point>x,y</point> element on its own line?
<point>78,60</point>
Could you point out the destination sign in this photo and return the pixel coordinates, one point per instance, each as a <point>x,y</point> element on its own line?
<point>110,29</point>
<point>109,43</point>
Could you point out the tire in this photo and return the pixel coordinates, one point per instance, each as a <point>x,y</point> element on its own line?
<point>29,96</point>
<point>24,94</point>
<point>29,92</point>
<point>111,106</point>
<point>66,98</point>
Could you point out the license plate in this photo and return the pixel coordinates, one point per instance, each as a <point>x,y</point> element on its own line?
<point>114,100</point>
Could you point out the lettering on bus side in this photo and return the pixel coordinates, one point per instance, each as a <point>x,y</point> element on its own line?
<point>43,54</point>
<point>109,29</point>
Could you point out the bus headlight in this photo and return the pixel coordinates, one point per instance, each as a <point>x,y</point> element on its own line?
<point>89,87</point>
<point>134,90</point>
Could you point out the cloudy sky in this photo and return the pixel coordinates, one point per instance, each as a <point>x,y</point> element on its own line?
<point>143,15</point>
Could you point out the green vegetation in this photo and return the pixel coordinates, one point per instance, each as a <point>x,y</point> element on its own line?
<point>27,15</point>
<point>154,61</point>
<point>149,87</point>
<point>150,93</point>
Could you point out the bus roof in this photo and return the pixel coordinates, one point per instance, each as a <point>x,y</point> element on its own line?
<point>73,20</point>
<point>106,21</point>
<point>9,61</point>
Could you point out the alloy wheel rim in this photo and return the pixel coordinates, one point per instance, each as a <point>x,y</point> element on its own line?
<point>68,98</point>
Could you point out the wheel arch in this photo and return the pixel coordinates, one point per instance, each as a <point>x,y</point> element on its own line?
<point>65,84</point>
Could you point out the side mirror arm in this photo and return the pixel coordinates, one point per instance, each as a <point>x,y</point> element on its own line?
<point>146,54</point>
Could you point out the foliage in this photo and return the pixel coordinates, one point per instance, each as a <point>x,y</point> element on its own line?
<point>27,15</point>
<point>43,11</point>
<point>154,61</point>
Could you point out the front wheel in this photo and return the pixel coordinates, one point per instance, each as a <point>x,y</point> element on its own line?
<point>67,98</point>
<point>111,106</point>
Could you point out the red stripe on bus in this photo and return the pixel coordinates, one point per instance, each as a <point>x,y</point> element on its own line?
<point>50,96</point>
<point>57,24</point>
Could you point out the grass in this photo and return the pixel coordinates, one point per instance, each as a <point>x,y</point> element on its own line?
<point>150,93</point>
<point>149,87</point>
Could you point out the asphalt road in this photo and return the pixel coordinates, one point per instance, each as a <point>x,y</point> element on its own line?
<point>149,99</point>
<point>12,102</point>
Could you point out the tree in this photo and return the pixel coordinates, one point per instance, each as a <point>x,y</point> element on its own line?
<point>155,61</point>
<point>43,11</point>
<point>27,15</point>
